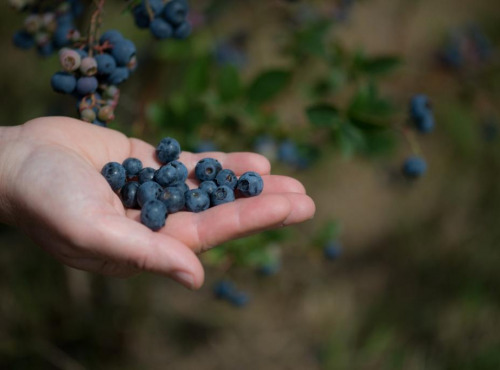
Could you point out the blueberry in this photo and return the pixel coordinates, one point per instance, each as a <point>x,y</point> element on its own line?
<point>288,152</point>
<point>123,51</point>
<point>63,82</point>
<point>207,169</point>
<point>82,53</point>
<point>223,194</point>
<point>129,194</point>
<point>175,12</point>
<point>111,36</point>
<point>224,289</point>
<point>414,167</point>
<point>161,29</point>
<point>23,40</point>
<point>154,214</point>
<point>132,167</point>
<point>332,250</point>
<point>174,200</point>
<point>183,186</point>
<point>197,200</point>
<point>424,123</point>
<point>183,31</point>
<point>208,186</point>
<point>105,64</point>
<point>118,76</point>
<point>166,175</point>
<point>239,299</point>
<point>114,173</point>
<point>61,36</point>
<point>226,177</point>
<point>182,171</point>
<point>149,190</point>
<point>168,150</point>
<point>99,123</point>
<point>269,269</point>
<point>141,16</point>
<point>146,174</point>
<point>86,85</point>
<point>419,106</point>
<point>250,184</point>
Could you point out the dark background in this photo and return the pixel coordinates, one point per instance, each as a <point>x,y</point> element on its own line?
<point>415,288</point>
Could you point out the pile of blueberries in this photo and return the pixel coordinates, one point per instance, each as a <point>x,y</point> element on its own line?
<point>163,20</point>
<point>164,191</point>
<point>422,119</point>
<point>47,28</point>
<point>92,76</point>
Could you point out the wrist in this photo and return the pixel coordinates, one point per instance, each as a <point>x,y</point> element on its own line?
<point>9,156</point>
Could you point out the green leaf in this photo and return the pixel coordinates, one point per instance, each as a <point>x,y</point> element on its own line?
<point>228,83</point>
<point>380,65</point>
<point>351,140</point>
<point>368,110</point>
<point>197,77</point>
<point>323,115</point>
<point>268,84</point>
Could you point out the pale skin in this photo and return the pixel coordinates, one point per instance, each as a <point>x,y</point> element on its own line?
<point>51,189</point>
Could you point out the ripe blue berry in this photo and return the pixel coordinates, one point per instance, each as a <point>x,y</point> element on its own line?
<point>23,40</point>
<point>424,123</point>
<point>239,299</point>
<point>161,29</point>
<point>183,186</point>
<point>132,167</point>
<point>175,12</point>
<point>118,76</point>
<point>111,36</point>
<point>173,198</point>
<point>223,194</point>
<point>226,177</point>
<point>63,82</point>
<point>86,85</point>
<point>166,175</point>
<point>332,250</point>
<point>197,200</point>
<point>208,186</point>
<point>105,64</point>
<point>168,150</point>
<point>414,167</point>
<point>182,31</point>
<point>123,51</point>
<point>114,173</point>
<point>61,36</point>
<point>224,289</point>
<point>146,174</point>
<point>207,169</point>
<point>269,269</point>
<point>250,184</point>
<point>129,194</point>
<point>182,171</point>
<point>419,105</point>
<point>149,190</point>
<point>154,214</point>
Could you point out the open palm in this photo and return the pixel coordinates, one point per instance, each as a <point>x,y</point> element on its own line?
<point>55,193</point>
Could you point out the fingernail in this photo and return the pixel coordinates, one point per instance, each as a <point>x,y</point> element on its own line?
<point>184,278</point>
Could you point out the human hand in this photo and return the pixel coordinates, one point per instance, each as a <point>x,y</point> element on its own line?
<point>51,188</point>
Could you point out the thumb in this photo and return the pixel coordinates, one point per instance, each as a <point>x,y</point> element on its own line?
<point>132,244</point>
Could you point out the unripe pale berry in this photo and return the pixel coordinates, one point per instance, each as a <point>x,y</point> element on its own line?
<point>88,115</point>
<point>106,113</point>
<point>32,23</point>
<point>70,59</point>
<point>111,92</point>
<point>88,66</point>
